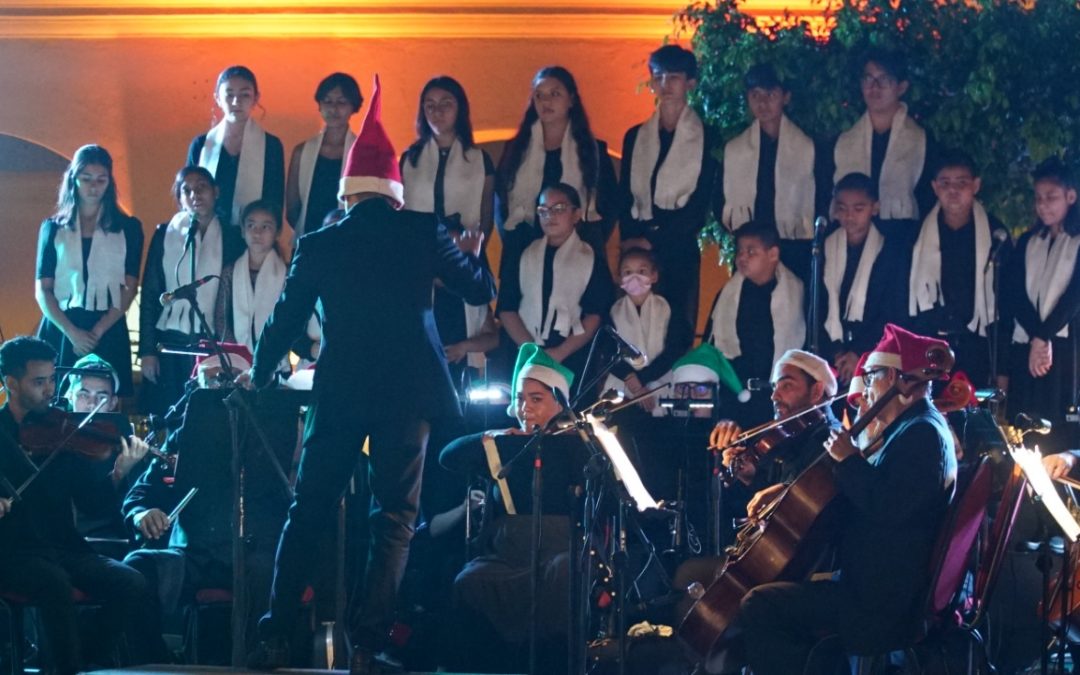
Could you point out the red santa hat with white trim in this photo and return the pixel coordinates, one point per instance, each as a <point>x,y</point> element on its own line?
<point>372,164</point>
<point>903,350</point>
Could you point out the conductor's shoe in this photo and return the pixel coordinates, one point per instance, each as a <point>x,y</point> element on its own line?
<point>269,654</point>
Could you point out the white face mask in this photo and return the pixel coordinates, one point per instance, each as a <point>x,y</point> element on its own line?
<point>636,284</point>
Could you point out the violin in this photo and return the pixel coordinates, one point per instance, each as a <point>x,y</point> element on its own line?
<point>56,430</point>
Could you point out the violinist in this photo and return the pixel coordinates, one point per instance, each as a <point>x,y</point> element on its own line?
<point>800,380</point>
<point>42,556</point>
<point>896,500</point>
<point>92,380</point>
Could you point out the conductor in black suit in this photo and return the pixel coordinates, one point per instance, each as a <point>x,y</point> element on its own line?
<point>381,374</point>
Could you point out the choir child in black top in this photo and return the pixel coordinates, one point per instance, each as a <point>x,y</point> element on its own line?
<point>666,177</point>
<point>758,314</point>
<point>859,276</point>
<point>241,177</point>
<point>42,556</point>
<point>1042,289</point>
<point>88,260</point>
<point>952,292</point>
<point>557,291</point>
<point>554,144</point>
<point>644,319</point>
<point>888,145</point>
<point>316,164</point>
<point>445,173</point>
<point>194,244</point>
<point>773,172</point>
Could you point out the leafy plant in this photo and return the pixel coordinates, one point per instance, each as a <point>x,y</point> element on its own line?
<point>996,78</point>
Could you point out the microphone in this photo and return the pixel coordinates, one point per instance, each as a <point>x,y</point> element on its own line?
<point>193,229</point>
<point>821,223</point>
<point>637,358</point>
<point>185,292</point>
<point>1036,425</point>
<point>1000,239</point>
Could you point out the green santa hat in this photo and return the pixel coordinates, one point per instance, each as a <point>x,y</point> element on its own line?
<point>534,363</point>
<point>705,363</point>
<point>93,365</point>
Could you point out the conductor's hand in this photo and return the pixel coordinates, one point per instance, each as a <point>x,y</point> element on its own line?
<point>1059,465</point>
<point>152,524</point>
<point>246,379</point>
<point>470,242</point>
<point>5,506</point>
<point>723,433</point>
<point>762,499</point>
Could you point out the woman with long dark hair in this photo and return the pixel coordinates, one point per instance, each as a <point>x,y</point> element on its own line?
<point>88,258</point>
<point>554,144</point>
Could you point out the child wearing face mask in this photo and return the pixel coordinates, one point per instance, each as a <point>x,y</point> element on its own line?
<point>644,319</point>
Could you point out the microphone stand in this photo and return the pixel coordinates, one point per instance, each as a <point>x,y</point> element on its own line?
<point>820,223</point>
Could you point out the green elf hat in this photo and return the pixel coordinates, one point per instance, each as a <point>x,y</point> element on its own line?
<point>534,363</point>
<point>93,365</point>
<point>705,363</point>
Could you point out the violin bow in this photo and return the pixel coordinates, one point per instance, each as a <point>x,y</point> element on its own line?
<point>56,450</point>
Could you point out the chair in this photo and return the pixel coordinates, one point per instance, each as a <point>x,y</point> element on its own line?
<point>16,605</point>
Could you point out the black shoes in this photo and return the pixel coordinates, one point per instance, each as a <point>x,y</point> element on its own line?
<point>269,654</point>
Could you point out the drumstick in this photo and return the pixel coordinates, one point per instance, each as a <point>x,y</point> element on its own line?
<point>183,502</point>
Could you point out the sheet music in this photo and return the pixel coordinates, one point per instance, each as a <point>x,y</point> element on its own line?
<point>624,468</point>
<point>1030,462</point>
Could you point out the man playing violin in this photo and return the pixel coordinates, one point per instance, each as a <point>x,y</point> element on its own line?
<point>42,556</point>
<point>895,502</point>
<point>800,381</point>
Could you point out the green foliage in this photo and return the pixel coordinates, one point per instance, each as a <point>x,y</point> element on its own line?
<point>992,77</point>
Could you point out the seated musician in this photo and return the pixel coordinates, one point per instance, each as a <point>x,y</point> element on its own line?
<point>896,500</point>
<point>197,550</point>
<point>492,591</point>
<point>92,380</point>
<point>42,556</point>
<point>800,380</point>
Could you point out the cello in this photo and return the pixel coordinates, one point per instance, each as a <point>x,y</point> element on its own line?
<point>788,536</point>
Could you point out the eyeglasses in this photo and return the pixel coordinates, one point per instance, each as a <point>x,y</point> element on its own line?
<point>693,390</point>
<point>869,375</point>
<point>550,211</point>
<point>879,82</point>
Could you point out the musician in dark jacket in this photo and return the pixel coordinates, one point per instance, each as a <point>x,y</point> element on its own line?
<point>896,501</point>
<point>42,556</point>
<point>381,374</point>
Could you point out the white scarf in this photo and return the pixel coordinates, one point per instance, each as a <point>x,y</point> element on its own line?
<point>786,307</point>
<point>646,329</point>
<point>530,176</point>
<point>252,306</point>
<point>475,317</point>
<point>249,173</point>
<point>571,271</point>
<point>1048,271</point>
<point>924,285</point>
<point>901,169</point>
<point>463,182</point>
<point>678,175</point>
<point>836,250</point>
<point>309,155</point>
<point>207,261</point>
<point>105,273</point>
<point>793,180</point>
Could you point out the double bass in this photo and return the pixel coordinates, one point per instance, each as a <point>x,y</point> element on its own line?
<point>787,538</point>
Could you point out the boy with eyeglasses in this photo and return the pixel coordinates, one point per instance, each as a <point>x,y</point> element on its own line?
<point>952,292</point>
<point>758,314</point>
<point>887,144</point>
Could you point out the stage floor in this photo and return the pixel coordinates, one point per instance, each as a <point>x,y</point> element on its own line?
<point>165,670</point>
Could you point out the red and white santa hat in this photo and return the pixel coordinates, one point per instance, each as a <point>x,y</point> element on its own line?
<point>903,350</point>
<point>372,164</point>
<point>857,388</point>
